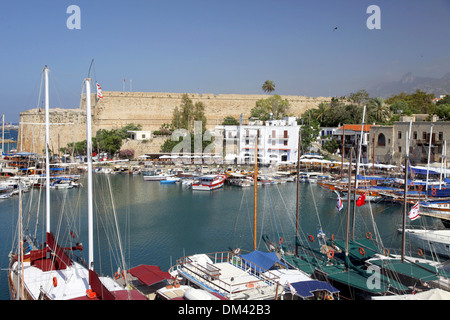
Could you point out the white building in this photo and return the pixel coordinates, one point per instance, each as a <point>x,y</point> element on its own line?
<point>277,143</point>
<point>140,135</point>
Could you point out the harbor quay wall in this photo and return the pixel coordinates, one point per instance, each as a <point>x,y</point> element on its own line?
<point>149,109</point>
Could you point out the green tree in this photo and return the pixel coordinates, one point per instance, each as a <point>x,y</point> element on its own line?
<point>268,86</point>
<point>230,121</point>
<point>418,102</point>
<point>359,98</point>
<point>310,132</point>
<point>274,105</point>
<point>108,141</point>
<point>183,117</point>
<point>443,111</point>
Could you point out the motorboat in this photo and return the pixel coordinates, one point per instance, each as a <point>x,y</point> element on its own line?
<point>209,182</point>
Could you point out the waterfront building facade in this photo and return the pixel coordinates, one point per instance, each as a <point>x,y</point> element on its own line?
<point>388,143</point>
<point>277,142</point>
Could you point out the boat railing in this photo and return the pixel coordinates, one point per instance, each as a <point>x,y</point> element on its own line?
<point>209,274</point>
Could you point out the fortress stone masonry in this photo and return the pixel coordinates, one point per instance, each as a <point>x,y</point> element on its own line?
<point>149,109</point>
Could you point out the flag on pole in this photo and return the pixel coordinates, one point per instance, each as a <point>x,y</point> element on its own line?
<point>361,200</point>
<point>339,204</point>
<point>99,92</point>
<point>414,213</point>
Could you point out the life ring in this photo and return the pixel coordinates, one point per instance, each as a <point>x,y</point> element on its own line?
<point>433,191</point>
<point>386,252</point>
<point>55,282</point>
<point>236,251</point>
<point>117,275</point>
<point>361,251</point>
<point>420,252</point>
<point>411,183</point>
<point>281,241</point>
<point>369,235</point>
<point>311,238</point>
<point>330,254</point>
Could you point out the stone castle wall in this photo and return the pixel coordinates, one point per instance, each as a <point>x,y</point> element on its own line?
<point>149,109</point>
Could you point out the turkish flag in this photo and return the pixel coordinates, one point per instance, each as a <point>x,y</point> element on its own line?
<point>361,200</point>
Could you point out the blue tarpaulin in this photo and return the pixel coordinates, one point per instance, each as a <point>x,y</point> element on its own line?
<point>305,289</point>
<point>265,260</point>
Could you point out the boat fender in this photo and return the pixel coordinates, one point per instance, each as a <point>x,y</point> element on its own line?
<point>281,241</point>
<point>55,282</point>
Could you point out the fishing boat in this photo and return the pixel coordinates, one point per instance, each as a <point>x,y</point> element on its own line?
<point>47,272</point>
<point>155,174</point>
<point>209,182</point>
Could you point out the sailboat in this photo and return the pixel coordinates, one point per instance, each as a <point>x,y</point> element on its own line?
<point>48,272</point>
<point>417,273</point>
<point>233,274</point>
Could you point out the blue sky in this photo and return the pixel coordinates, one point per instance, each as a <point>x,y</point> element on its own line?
<point>216,46</point>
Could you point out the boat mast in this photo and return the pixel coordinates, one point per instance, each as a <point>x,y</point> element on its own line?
<point>47,155</point>
<point>256,190</point>
<point>89,173</point>
<point>348,204</point>
<point>3,134</point>
<point>298,189</point>
<point>405,198</point>
<point>357,172</point>
<point>429,151</point>
<point>443,159</point>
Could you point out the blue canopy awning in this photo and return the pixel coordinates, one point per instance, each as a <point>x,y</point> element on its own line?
<point>265,260</point>
<point>421,171</point>
<point>306,289</point>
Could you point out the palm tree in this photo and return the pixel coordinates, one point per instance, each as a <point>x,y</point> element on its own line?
<point>381,109</point>
<point>268,86</point>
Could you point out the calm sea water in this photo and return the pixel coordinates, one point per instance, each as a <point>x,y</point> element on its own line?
<point>161,223</point>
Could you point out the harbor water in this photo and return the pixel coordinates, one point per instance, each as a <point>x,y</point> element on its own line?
<point>160,223</point>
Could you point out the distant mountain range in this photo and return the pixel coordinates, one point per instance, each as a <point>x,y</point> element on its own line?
<point>409,84</point>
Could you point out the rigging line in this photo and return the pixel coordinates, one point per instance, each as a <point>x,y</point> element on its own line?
<point>239,213</point>
<point>315,205</point>
<point>276,226</point>
<point>379,241</point>
<point>117,226</point>
<point>285,210</point>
